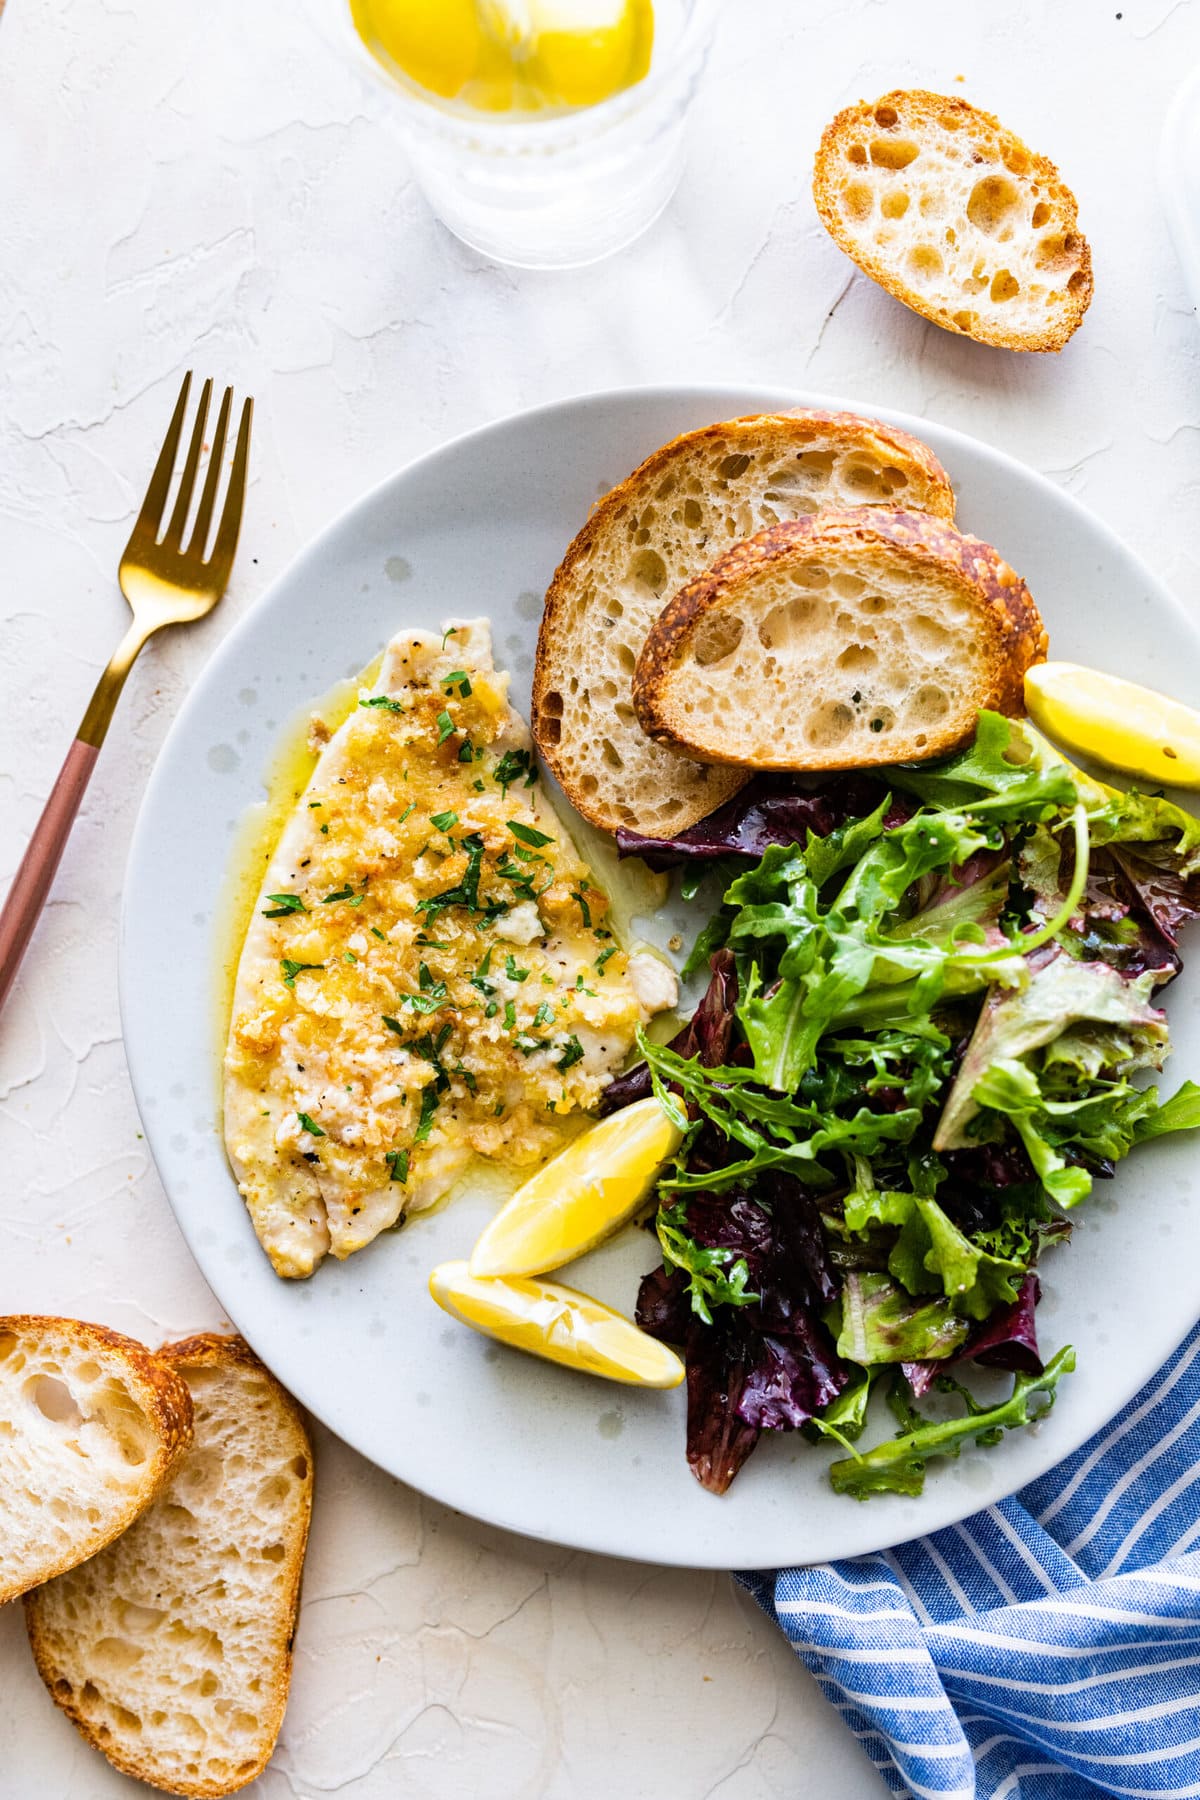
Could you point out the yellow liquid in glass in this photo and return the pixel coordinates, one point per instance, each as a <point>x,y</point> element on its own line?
<point>511,56</point>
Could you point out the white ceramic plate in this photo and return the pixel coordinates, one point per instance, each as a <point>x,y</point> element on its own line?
<point>478,527</point>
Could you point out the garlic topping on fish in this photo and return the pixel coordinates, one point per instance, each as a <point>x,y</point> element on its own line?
<point>428,976</point>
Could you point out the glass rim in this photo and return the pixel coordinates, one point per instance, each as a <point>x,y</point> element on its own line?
<point>431,114</point>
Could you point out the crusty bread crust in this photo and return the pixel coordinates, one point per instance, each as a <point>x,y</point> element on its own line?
<point>208,1350</point>
<point>152,1383</point>
<point>862,150</point>
<point>1007,626</point>
<point>581,717</point>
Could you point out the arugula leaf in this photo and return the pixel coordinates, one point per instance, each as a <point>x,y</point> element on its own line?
<point>715,1277</point>
<point>897,1466</point>
<point>999,777</point>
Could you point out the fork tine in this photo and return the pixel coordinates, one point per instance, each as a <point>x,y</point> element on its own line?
<point>160,481</point>
<point>221,560</point>
<point>187,482</point>
<point>204,512</point>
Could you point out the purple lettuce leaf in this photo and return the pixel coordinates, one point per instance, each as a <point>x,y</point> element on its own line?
<point>787,1380</point>
<point>718,1439</point>
<point>664,1305</point>
<point>770,809</point>
<point>1008,1340</point>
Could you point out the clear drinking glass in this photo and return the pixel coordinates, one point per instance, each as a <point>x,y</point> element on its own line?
<point>558,191</point>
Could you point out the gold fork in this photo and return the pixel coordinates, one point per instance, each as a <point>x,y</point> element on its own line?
<point>165,584</point>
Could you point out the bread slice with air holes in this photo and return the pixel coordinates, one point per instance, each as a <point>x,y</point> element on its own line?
<point>91,1425</point>
<point>837,642</point>
<point>644,541</point>
<point>171,1650</point>
<point>956,217</point>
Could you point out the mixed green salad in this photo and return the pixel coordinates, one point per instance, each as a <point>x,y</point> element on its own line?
<point>931,1008</point>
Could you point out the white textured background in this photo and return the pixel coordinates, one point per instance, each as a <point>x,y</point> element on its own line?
<point>187,183</point>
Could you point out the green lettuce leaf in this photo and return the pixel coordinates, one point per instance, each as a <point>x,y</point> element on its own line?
<point>883,1324</point>
<point>897,1466</point>
<point>999,777</point>
<point>1180,1113</point>
<point>1057,995</point>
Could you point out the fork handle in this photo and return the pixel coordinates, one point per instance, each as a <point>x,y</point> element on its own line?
<point>31,884</point>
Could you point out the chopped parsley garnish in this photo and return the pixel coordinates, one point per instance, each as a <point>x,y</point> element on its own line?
<point>282,904</point>
<point>393,1024</point>
<point>511,766</point>
<point>510,1016</point>
<point>511,969</point>
<point>375,932</point>
<point>579,895</point>
<point>350,957</point>
<point>572,1054</point>
<point>465,752</point>
<point>397,1162</point>
<point>604,956</point>
<point>544,1014</point>
<point>527,1044</point>
<point>460,679</point>
<point>385,701</point>
<point>466,893</point>
<point>292,969</point>
<point>346,893</point>
<point>443,821</point>
<point>310,1125</point>
<point>527,835</point>
<point>469,1080</point>
<point>580,989</point>
<point>477,785</point>
<point>429,1105</point>
<point>409,809</point>
<point>313,803</point>
<point>446,727</point>
<point>450,631</point>
<point>491,1009</point>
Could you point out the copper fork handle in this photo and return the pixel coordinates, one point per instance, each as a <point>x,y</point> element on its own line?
<point>31,884</point>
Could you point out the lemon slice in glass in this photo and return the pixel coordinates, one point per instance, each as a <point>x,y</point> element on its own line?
<point>1116,722</point>
<point>588,50</point>
<point>581,1196</point>
<point>439,44</point>
<point>557,1323</point>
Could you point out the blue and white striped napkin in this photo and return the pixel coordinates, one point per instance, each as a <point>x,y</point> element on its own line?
<point>1046,1649</point>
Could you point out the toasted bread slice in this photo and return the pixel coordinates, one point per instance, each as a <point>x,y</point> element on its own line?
<point>658,530</point>
<point>90,1427</point>
<point>838,642</point>
<point>952,214</point>
<point>172,1649</point>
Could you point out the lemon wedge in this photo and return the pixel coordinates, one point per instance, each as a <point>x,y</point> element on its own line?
<point>588,50</point>
<point>438,43</point>
<point>581,1196</point>
<point>1118,723</point>
<point>557,1323</point>
<point>512,55</point>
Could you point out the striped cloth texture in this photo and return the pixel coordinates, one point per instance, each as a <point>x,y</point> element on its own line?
<point>1048,1648</point>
